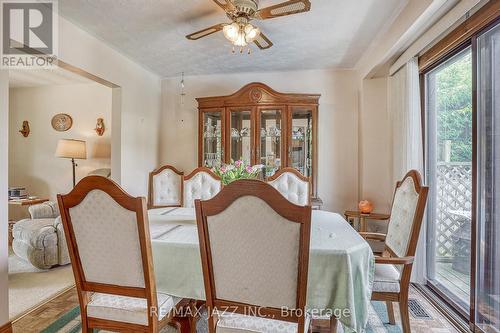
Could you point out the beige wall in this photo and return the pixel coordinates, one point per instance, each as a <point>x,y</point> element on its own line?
<point>375,163</point>
<point>338,146</point>
<point>136,104</point>
<point>4,139</point>
<point>31,160</point>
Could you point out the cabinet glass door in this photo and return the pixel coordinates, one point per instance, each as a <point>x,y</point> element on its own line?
<point>270,143</point>
<point>300,148</point>
<point>240,135</point>
<point>212,145</point>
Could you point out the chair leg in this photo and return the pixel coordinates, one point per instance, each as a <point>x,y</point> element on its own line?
<point>405,315</point>
<point>85,327</point>
<point>333,324</point>
<point>390,313</point>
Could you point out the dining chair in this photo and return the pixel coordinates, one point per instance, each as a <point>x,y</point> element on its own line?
<point>292,185</point>
<point>393,268</point>
<point>108,241</point>
<point>202,184</point>
<point>165,187</point>
<point>254,247</point>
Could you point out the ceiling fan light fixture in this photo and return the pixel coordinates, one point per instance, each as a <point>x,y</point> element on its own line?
<point>240,34</point>
<point>241,41</point>
<point>231,31</point>
<point>251,33</point>
<point>241,12</point>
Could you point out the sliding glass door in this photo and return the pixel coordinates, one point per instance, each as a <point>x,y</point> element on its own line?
<point>487,291</point>
<point>462,104</point>
<point>449,171</point>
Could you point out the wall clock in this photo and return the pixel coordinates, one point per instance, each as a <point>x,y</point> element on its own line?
<point>62,122</point>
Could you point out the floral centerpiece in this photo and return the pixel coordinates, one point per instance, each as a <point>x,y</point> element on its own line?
<point>237,170</point>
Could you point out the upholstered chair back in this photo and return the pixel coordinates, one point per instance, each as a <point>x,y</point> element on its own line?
<point>165,187</point>
<point>255,247</point>
<point>202,184</point>
<point>406,213</point>
<point>292,185</point>
<point>107,234</point>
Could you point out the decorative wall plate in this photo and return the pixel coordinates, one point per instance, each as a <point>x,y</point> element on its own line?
<point>62,122</point>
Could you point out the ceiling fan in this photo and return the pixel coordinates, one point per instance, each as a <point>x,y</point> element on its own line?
<point>240,32</point>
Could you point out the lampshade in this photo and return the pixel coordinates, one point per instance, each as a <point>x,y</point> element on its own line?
<point>69,148</point>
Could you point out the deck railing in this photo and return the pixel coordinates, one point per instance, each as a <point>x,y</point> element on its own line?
<point>454,194</point>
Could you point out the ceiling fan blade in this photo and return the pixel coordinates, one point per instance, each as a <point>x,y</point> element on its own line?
<point>205,32</point>
<point>263,42</point>
<point>282,9</point>
<point>227,5</point>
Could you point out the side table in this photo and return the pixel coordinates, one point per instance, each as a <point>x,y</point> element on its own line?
<point>350,215</point>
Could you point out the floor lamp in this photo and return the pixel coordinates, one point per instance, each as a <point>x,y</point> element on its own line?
<point>74,149</point>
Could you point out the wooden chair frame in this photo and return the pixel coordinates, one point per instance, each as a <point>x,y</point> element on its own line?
<point>297,214</point>
<point>389,257</point>
<point>296,173</point>
<point>84,287</point>
<point>151,184</point>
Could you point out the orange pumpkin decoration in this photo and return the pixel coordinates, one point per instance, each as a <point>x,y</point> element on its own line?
<point>365,207</point>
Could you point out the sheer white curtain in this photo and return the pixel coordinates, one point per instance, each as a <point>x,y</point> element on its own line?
<point>407,144</point>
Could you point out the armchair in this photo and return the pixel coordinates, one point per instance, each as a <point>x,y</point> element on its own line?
<point>393,269</point>
<point>40,239</point>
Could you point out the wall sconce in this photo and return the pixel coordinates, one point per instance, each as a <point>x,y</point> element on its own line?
<point>25,130</point>
<point>99,127</point>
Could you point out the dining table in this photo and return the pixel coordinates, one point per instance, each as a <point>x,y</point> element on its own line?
<point>340,275</point>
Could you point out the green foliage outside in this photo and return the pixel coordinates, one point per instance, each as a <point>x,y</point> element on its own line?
<point>454,105</point>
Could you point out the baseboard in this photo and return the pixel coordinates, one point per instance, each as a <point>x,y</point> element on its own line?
<point>7,328</point>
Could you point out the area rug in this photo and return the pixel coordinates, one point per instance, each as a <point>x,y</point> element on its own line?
<point>30,287</point>
<point>378,322</point>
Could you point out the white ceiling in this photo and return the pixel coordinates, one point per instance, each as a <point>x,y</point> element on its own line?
<point>333,34</point>
<point>44,77</point>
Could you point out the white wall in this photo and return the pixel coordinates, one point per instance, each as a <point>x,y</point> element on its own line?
<point>4,137</point>
<point>139,97</point>
<point>31,160</point>
<point>338,145</point>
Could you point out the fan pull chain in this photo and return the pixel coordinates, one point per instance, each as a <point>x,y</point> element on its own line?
<point>249,50</point>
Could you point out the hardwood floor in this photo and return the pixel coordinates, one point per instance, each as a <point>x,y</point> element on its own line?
<point>40,318</point>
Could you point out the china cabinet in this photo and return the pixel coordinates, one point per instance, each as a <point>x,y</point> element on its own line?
<point>261,126</point>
